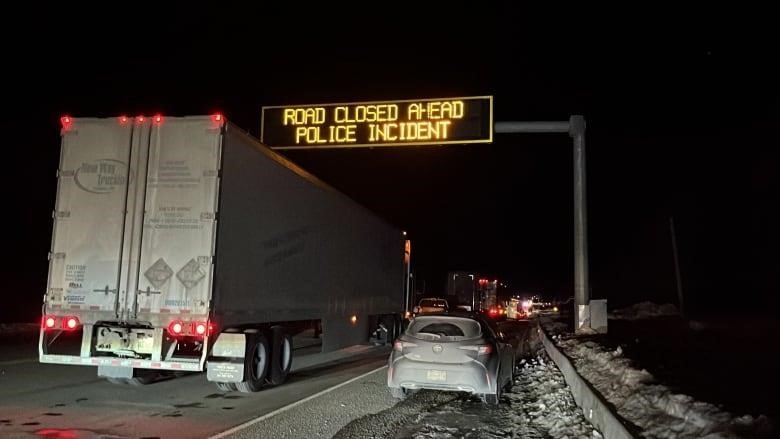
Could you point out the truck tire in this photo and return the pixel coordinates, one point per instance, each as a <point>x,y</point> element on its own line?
<point>255,364</point>
<point>281,356</point>
<point>142,377</point>
<point>226,387</point>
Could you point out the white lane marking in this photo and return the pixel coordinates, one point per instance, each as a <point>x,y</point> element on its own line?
<point>288,407</point>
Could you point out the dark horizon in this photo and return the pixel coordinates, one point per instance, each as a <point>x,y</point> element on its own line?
<point>681,120</point>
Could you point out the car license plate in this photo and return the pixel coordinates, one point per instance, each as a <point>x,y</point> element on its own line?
<point>437,375</point>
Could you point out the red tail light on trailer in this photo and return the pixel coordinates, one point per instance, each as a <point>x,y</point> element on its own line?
<point>67,323</point>
<point>70,323</point>
<point>49,322</point>
<point>67,123</point>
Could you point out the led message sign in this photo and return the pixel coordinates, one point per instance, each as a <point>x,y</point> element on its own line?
<point>368,124</point>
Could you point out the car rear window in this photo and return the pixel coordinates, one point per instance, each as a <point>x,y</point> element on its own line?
<point>452,328</point>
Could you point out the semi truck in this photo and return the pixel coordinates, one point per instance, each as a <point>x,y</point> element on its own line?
<point>462,290</point>
<point>182,244</point>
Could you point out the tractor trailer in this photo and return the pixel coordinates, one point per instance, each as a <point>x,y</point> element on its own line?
<point>182,244</point>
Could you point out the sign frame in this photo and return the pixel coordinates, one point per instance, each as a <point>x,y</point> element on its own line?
<point>486,137</point>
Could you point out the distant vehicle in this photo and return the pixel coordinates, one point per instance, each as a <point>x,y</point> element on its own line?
<point>461,352</point>
<point>496,312</point>
<point>546,309</point>
<point>517,309</point>
<point>462,290</point>
<point>431,305</point>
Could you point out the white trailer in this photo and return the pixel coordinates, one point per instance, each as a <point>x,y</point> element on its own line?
<point>183,244</point>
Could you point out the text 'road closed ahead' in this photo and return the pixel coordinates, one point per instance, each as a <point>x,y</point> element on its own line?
<point>369,124</point>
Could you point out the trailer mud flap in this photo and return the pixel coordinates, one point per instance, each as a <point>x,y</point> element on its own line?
<point>225,372</point>
<point>106,371</point>
<point>230,348</point>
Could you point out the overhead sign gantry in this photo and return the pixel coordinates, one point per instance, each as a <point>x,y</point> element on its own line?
<point>433,122</point>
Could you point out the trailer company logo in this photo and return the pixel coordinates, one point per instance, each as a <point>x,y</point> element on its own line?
<point>101,176</point>
<point>75,298</point>
<point>285,245</point>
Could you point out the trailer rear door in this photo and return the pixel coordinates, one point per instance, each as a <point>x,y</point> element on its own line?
<point>89,216</point>
<point>177,243</point>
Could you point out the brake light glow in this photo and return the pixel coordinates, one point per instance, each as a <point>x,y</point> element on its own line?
<point>140,119</point>
<point>70,322</point>
<point>176,327</point>
<point>157,119</point>
<point>197,329</point>
<point>67,122</point>
<point>123,120</point>
<point>200,328</point>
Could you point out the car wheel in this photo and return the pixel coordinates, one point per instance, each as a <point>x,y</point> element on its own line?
<point>398,392</point>
<point>492,398</point>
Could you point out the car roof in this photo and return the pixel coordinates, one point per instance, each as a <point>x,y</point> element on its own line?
<point>455,313</point>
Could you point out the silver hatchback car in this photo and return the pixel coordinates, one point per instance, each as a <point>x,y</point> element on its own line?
<point>462,352</point>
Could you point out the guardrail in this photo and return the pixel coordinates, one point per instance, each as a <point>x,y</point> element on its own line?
<point>595,408</point>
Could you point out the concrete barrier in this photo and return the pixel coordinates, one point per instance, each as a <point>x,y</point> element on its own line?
<point>595,408</point>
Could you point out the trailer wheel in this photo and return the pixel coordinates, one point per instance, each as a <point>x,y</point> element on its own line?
<point>140,378</point>
<point>143,377</point>
<point>226,387</point>
<point>256,365</point>
<point>281,356</point>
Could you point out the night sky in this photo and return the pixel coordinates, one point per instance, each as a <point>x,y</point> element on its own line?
<point>681,108</point>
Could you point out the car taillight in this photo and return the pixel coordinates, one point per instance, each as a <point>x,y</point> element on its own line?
<point>480,349</point>
<point>399,346</point>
